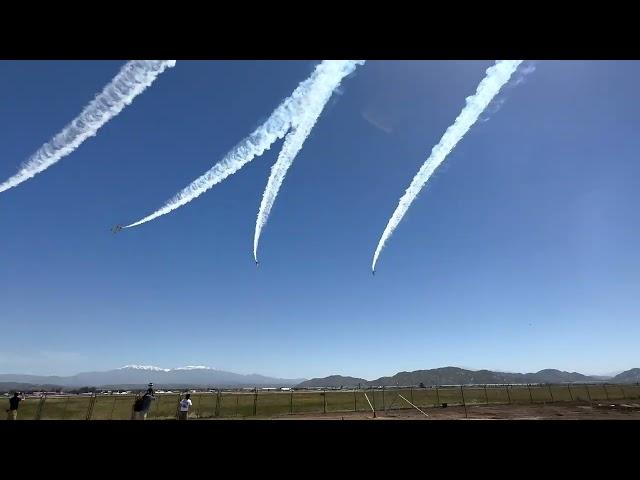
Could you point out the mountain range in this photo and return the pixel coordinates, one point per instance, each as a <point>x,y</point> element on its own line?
<point>200,376</point>
<point>130,375</point>
<point>460,376</point>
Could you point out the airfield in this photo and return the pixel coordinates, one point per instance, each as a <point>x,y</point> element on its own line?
<point>517,402</point>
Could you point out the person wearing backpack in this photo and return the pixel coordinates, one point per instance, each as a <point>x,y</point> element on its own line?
<point>137,409</point>
<point>142,405</point>
<point>185,404</point>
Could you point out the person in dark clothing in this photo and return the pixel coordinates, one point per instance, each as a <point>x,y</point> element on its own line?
<point>14,402</point>
<point>145,405</point>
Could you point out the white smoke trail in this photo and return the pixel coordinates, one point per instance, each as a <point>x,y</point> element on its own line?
<point>301,128</point>
<point>496,76</point>
<point>274,128</point>
<point>130,82</point>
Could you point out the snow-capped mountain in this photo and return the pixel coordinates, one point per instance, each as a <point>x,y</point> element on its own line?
<point>158,369</point>
<point>193,375</point>
<point>144,367</point>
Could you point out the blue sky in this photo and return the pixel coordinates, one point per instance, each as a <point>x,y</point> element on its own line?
<point>520,254</point>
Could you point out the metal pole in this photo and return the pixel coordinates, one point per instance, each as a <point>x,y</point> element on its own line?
<point>464,403</point>
<point>570,394</point>
<point>43,399</point>
<point>373,396</point>
<point>216,412</point>
<point>588,392</point>
<point>550,392</point>
<point>530,396</point>
<point>113,407</point>
<point>384,407</point>
<point>90,409</point>
<point>324,401</point>
<point>176,412</point>
<point>255,402</point>
<point>623,394</point>
<point>237,400</point>
<point>92,400</point>
<point>411,392</point>
<point>291,403</point>
<point>426,415</point>
<point>437,395</point>
<point>486,396</point>
<point>64,410</point>
<point>355,406</point>
<point>509,394</point>
<point>605,391</point>
<point>372,409</point>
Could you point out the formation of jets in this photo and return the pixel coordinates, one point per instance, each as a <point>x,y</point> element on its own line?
<point>118,228</point>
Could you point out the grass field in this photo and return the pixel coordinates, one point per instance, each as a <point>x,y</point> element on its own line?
<point>271,404</point>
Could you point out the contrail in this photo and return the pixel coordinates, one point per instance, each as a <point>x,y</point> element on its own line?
<point>496,76</point>
<point>274,128</point>
<point>301,128</point>
<point>130,82</point>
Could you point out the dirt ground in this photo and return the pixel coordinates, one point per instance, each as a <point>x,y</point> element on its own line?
<point>549,411</point>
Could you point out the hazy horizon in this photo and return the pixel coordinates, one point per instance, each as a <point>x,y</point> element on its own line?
<point>612,374</point>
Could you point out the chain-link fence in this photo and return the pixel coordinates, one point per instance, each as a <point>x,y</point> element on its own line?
<point>265,404</point>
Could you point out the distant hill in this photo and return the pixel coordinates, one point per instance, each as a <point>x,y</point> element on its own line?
<point>628,376</point>
<point>460,376</point>
<point>334,381</point>
<point>141,375</point>
<point>26,387</point>
<point>138,376</point>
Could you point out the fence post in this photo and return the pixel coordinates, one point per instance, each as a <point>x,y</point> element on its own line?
<point>92,402</point>
<point>216,412</point>
<point>624,395</point>
<point>605,391</point>
<point>437,396</point>
<point>411,392</point>
<point>588,393</point>
<point>43,399</point>
<point>93,406</point>
<point>355,406</point>
<point>550,392</point>
<point>486,396</point>
<point>64,410</point>
<point>463,402</point>
<point>509,394</point>
<point>530,396</point>
<point>570,393</point>
<point>384,405</point>
<point>324,401</point>
<point>199,414</point>
<point>255,401</point>
<point>176,412</point>
<point>113,407</point>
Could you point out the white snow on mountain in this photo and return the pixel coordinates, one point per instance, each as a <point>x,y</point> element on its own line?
<point>159,369</point>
